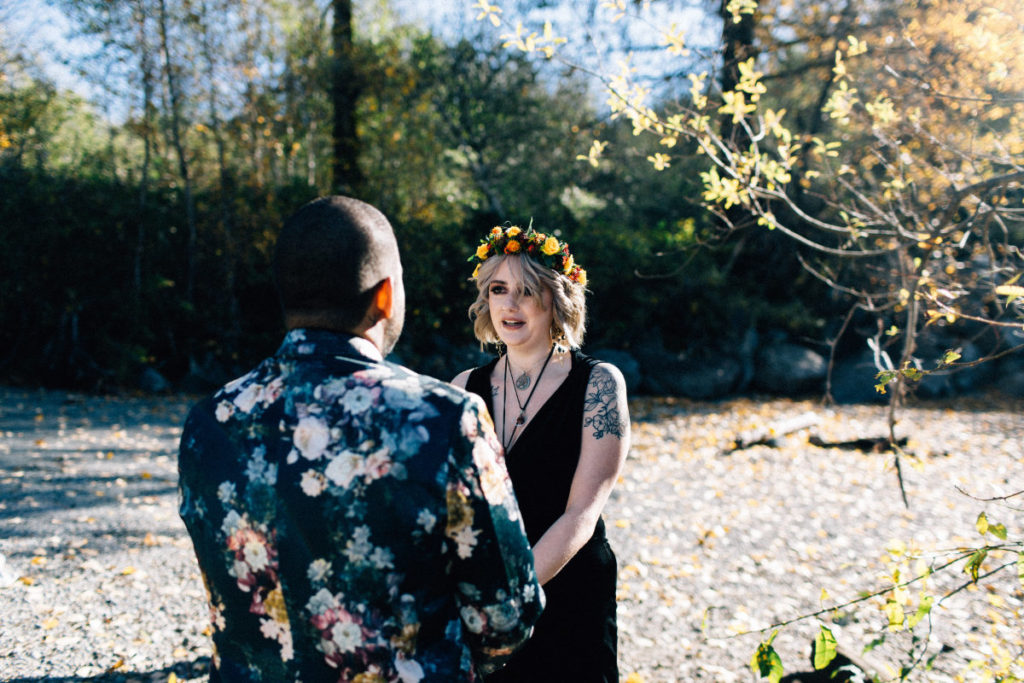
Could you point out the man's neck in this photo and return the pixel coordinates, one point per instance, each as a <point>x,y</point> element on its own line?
<point>361,342</point>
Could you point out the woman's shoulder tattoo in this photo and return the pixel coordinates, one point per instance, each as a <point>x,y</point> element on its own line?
<point>601,405</point>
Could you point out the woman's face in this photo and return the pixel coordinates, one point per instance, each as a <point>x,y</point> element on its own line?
<point>517,317</point>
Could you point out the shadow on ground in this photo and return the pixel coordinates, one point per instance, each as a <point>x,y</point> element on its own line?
<point>198,668</point>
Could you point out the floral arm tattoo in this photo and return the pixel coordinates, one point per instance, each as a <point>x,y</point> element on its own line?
<point>601,405</point>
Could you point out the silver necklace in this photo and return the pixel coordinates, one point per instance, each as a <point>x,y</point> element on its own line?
<point>521,418</point>
<point>522,382</point>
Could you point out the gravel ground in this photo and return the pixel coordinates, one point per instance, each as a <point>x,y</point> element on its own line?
<point>99,582</point>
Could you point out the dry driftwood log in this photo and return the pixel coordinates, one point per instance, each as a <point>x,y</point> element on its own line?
<point>767,436</point>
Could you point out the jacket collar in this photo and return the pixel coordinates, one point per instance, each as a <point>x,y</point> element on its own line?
<point>307,341</point>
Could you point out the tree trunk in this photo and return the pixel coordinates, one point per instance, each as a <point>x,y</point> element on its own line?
<point>345,91</point>
<point>146,69</point>
<point>183,163</point>
<point>227,191</point>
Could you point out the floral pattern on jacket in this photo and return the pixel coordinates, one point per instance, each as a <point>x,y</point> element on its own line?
<point>353,521</point>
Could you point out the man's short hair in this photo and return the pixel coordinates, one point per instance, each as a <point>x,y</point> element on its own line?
<point>329,256</point>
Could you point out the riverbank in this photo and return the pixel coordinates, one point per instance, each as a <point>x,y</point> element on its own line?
<point>101,584</point>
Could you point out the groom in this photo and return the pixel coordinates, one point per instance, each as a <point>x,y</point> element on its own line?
<point>351,519</point>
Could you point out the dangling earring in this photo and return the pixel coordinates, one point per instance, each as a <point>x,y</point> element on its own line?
<point>558,337</point>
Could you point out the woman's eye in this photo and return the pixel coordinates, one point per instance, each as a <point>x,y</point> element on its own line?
<point>497,290</point>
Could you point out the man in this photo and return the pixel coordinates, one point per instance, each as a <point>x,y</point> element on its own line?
<point>353,520</point>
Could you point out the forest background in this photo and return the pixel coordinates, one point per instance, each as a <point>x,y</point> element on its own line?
<point>138,220</point>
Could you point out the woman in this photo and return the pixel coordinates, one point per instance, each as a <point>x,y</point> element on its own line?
<point>563,420</point>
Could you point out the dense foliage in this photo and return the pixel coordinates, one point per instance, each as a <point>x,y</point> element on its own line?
<point>145,242</point>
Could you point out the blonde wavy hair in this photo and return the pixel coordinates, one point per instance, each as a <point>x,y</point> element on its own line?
<point>568,299</point>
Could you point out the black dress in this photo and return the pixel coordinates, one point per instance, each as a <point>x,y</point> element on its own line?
<point>575,640</point>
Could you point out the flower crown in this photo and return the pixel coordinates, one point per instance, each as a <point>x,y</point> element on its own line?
<point>544,249</point>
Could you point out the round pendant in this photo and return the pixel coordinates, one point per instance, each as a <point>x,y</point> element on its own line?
<point>523,382</point>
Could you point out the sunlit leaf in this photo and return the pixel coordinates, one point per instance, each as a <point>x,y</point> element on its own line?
<point>824,648</point>
<point>922,611</point>
<point>766,661</point>
<point>974,563</point>
<point>981,524</point>
<point>1011,292</point>
<point>894,611</point>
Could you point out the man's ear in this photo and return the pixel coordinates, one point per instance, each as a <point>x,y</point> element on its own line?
<point>382,304</point>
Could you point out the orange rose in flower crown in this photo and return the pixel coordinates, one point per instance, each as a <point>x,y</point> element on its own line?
<point>542,248</point>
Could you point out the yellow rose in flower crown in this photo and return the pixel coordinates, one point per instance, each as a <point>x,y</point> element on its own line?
<point>550,246</point>
<point>496,231</point>
<point>482,252</point>
<point>513,231</point>
<point>567,264</point>
<point>581,277</point>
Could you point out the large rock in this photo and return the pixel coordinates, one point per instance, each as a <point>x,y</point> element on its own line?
<point>853,380</point>
<point>1010,373</point>
<point>703,380</point>
<point>153,382</point>
<point>204,375</point>
<point>970,379</point>
<point>447,360</point>
<point>625,362</point>
<point>789,369</point>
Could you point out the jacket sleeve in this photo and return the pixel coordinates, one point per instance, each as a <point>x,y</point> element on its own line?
<point>498,595</point>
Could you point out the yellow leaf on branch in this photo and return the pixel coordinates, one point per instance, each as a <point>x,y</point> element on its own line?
<point>593,156</point>
<point>736,104</point>
<point>488,11</point>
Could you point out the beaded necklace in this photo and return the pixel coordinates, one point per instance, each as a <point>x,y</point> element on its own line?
<point>521,419</point>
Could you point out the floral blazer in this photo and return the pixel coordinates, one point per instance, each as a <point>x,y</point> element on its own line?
<point>353,521</point>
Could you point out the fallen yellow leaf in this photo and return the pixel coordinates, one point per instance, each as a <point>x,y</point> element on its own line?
<point>127,570</point>
<point>50,623</point>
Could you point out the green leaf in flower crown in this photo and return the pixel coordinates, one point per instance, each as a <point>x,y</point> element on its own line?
<point>824,648</point>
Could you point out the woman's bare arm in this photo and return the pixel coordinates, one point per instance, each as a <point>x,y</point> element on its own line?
<point>602,453</point>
